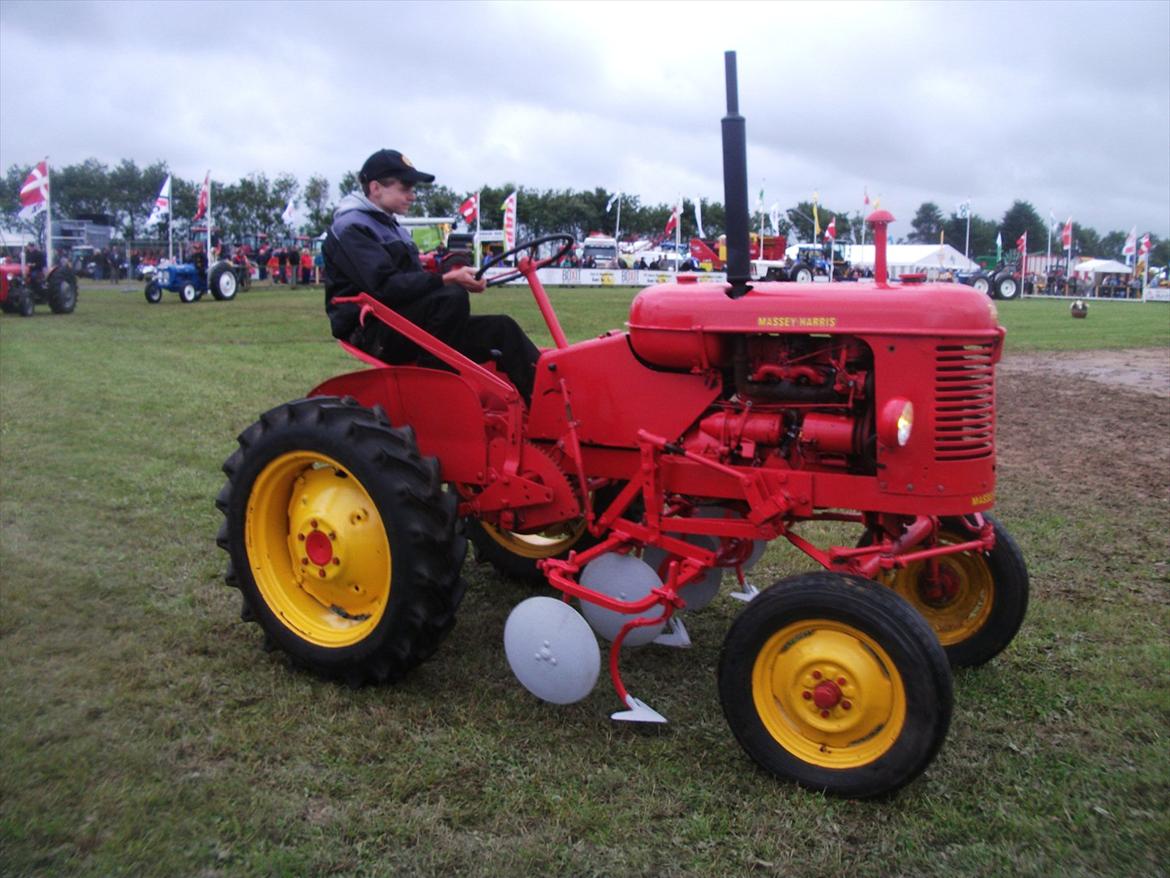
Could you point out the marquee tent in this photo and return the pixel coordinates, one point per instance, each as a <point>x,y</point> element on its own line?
<point>1102,266</point>
<point>930,259</point>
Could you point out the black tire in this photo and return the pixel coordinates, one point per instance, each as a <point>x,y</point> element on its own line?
<point>153,293</point>
<point>844,638</point>
<point>189,293</point>
<point>222,281</point>
<point>386,608</point>
<point>62,285</point>
<point>983,285</point>
<point>1007,288</point>
<point>989,598</point>
<point>775,274</point>
<point>802,274</point>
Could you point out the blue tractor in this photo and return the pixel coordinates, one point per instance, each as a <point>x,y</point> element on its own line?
<point>191,282</point>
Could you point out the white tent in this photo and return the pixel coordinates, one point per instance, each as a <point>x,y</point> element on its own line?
<point>930,259</point>
<point>1101,266</point>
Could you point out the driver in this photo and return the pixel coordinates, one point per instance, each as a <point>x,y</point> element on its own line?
<point>367,250</point>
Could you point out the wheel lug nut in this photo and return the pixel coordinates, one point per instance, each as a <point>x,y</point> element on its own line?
<point>301,537</point>
<point>332,535</point>
<point>806,695</point>
<point>321,572</point>
<point>304,561</point>
<point>846,705</point>
<point>313,524</point>
<point>336,562</point>
<point>816,675</point>
<point>840,681</point>
<point>825,714</point>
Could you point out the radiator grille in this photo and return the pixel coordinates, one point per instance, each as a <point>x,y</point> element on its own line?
<point>964,402</point>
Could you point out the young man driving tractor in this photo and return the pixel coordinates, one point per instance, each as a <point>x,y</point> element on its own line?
<point>367,250</point>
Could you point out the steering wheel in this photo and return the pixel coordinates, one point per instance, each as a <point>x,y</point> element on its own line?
<point>568,241</point>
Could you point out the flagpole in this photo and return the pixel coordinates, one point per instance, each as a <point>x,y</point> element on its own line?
<point>478,249</point>
<point>678,235</point>
<point>49,265</point>
<point>967,241</point>
<point>208,254</point>
<point>617,226</point>
<point>1048,254</point>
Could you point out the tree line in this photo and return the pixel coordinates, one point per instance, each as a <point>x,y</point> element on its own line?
<point>254,205</point>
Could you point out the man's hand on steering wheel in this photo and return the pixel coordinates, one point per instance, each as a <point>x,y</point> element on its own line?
<point>465,277</point>
<point>567,243</point>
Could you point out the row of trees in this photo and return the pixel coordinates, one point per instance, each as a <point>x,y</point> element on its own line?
<point>255,203</point>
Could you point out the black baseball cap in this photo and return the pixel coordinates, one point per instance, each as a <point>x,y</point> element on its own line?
<point>391,163</point>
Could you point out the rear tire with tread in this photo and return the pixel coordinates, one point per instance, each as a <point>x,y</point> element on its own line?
<point>414,590</point>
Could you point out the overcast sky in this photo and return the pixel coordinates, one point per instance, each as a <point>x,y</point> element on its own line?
<point>1065,105</point>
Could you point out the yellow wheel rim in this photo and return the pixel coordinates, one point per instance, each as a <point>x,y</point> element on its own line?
<point>545,544</point>
<point>828,694</point>
<point>958,603</point>
<point>318,549</point>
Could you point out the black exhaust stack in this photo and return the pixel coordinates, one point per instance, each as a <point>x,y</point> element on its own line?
<point>735,190</point>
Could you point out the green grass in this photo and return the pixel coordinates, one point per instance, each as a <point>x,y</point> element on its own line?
<point>144,732</point>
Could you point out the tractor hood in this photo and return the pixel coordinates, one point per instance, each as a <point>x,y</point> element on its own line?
<point>689,325</point>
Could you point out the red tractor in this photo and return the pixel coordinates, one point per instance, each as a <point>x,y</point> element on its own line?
<point>649,463</point>
<point>22,289</point>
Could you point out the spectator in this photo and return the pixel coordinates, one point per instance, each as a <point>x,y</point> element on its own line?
<point>306,266</point>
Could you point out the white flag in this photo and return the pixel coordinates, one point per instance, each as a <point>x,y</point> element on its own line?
<point>287,216</point>
<point>1130,247</point>
<point>612,200</point>
<point>162,204</point>
<point>699,217</point>
<point>964,209</point>
<point>774,217</point>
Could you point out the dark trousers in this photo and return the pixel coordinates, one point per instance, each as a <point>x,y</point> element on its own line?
<point>446,314</point>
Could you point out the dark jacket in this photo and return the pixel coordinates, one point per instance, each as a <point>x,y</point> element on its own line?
<point>367,251</point>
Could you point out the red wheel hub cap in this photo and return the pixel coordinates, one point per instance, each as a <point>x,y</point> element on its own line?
<point>827,695</point>
<point>319,548</point>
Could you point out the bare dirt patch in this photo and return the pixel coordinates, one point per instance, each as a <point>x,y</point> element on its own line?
<point>1144,369</point>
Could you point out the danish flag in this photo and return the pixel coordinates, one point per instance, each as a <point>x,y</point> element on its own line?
<point>34,193</point>
<point>1145,246</point>
<point>673,221</point>
<point>469,209</point>
<point>1066,235</point>
<point>831,229</point>
<point>1130,243</point>
<point>204,194</point>
<point>1022,244</point>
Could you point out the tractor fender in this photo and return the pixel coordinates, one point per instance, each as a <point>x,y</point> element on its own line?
<point>444,410</point>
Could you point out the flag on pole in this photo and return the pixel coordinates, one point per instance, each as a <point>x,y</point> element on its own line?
<point>1130,247</point>
<point>964,208</point>
<point>866,200</point>
<point>774,217</point>
<point>509,208</point>
<point>831,230</point>
<point>1022,246</point>
<point>699,217</point>
<point>287,216</point>
<point>816,219</point>
<point>469,209</point>
<point>998,247</point>
<point>1066,235</point>
<point>204,195</point>
<point>34,192</point>
<point>1145,246</point>
<point>162,204</point>
<point>612,201</point>
<point>1053,222</point>
<point>673,221</point>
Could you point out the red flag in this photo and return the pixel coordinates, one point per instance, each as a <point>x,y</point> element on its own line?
<point>201,208</point>
<point>469,209</point>
<point>672,222</point>
<point>866,195</point>
<point>1022,245</point>
<point>831,229</point>
<point>1066,235</point>
<point>1145,248</point>
<point>34,193</point>
<point>1130,243</point>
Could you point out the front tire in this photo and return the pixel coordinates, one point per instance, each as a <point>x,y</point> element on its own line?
<point>188,294</point>
<point>983,285</point>
<point>153,293</point>
<point>341,540</point>
<point>979,603</point>
<point>1007,288</point>
<point>836,683</point>
<point>802,274</point>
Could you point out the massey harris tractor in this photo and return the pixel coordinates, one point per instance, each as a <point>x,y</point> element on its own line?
<point>22,289</point>
<point>649,463</point>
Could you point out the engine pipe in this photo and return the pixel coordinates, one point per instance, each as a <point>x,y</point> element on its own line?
<point>735,190</point>
<point>880,219</point>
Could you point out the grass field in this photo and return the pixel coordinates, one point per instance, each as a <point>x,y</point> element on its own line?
<point>143,731</point>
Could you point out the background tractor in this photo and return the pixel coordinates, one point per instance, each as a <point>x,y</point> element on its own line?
<point>191,282</point>
<point>22,289</point>
<point>650,463</point>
